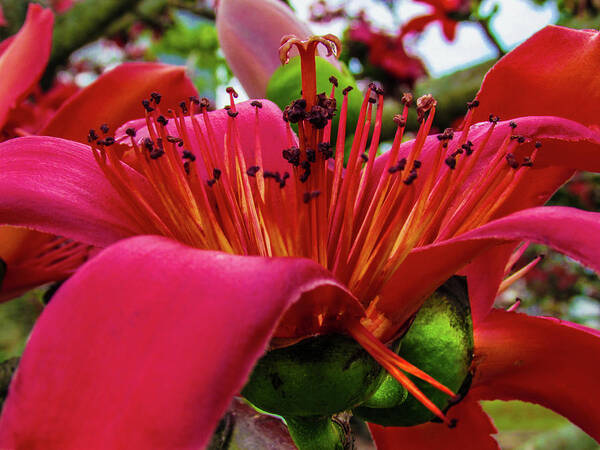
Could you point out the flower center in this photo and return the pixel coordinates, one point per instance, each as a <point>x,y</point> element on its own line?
<point>358,220</point>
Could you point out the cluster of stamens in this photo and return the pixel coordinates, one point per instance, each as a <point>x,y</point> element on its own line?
<point>356,220</point>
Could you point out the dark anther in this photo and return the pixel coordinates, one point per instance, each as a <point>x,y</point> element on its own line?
<point>451,162</point>
<point>162,120</point>
<point>527,162</point>
<point>333,80</point>
<point>104,128</point>
<point>186,167</point>
<point>227,107</point>
<point>400,166</point>
<point>347,89</point>
<point>282,179</point>
<point>194,100</point>
<point>494,119</point>
<point>412,176</point>
<point>292,155</point>
<point>231,113</point>
<point>155,96</point>
<point>399,120</point>
<point>512,161</point>
<point>295,111</point>
<point>107,141</point>
<point>447,135</point>
<point>520,139</point>
<point>453,423</point>
<point>311,155</point>
<point>318,117</point>
<point>327,103</point>
<point>325,150</point>
<point>146,105</point>
<point>216,173</point>
<point>148,144</point>
<point>538,144</point>
<point>183,107</point>
<point>417,164</point>
<point>308,196</point>
<point>364,157</point>
<point>252,170</point>
<point>157,153</point>
<point>274,175</point>
<point>512,124</point>
<point>210,183</point>
<point>231,91</point>
<point>174,140</point>
<point>468,148</point>
<point>306,166</point>
<point>186,154</point>
<point>256,103</point>
<point>407,99</point>
<point>92,136</point>
<point>204,102</point>
<point>372,100</point>
<point>424,104</point>
<point>473,104</point>
<point>130,132</point>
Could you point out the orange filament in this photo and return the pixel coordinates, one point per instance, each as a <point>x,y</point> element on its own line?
<point>358,227</point>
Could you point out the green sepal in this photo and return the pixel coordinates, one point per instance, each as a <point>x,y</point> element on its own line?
<point>439,342</point>
<point>315,433</point>
<point>286,83</point>
<point>318,376</point>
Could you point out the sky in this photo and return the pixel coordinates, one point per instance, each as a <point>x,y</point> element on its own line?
<point>515,21</point>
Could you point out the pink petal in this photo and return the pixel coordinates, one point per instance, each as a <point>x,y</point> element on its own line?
<point>24,60</point>
<point>472,432</point>
<point>552,73</point>
<point>116,96</point>
<point>484,275</point>
<point>55,186</point>
<point>541,361</point>
<point>145,346</point>
<point>272,132</point>
<point>568,230</point>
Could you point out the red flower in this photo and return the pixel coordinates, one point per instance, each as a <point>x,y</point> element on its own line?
<point>443,11</point>
<point>34,258</point>
<point>149,340</point>
<point>387,52</point>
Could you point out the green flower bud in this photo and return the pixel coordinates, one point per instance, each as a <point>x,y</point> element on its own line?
<point>318,376</point>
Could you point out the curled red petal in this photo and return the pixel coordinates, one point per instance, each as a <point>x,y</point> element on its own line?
<point>55,186</point>
<point>116,96</point>
<point>560,80</point>
<point>472,432</point>
<point>24,59</point>
<point>568,230</point>
<point>149,341</point>
<point>542,361</point>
